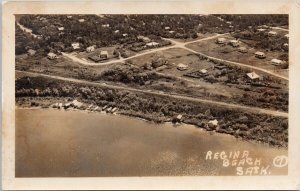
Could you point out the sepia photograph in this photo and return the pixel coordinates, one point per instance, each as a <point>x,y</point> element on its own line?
<point>151,95</point>
<point>177,95</point>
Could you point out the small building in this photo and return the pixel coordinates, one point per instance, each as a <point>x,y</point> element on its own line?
<point>81,20</point>
<point>104,54</point>
<point>203,71</point>
<point>61,28</point>
<point>213,122</point>
<point>75,45</point>
<point>31,52</point>
<point>221,41</point>
<point>277,62</point>
<point>90,48</point>
<point>179,117</point>
<point>272,33</point>
<point>252,75</point>
<point>69,16</point>
<point>260,55</point>
<point>171,32</point>
<point>234,43</point>
<point>167,28</point>
<point>51,56</point>
<point>152,44</point>
<point>243,49</point>
<point>117,31</point>
<point>286,45</point>
<point>261,30</point>
<point>125,34</point>
<point>182,67</point>
<point>105,25</point>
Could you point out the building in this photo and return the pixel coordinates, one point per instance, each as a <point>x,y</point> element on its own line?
<point>167,28</point>
<point>75,45</point>
<point>31,52</point>
<point>104,54</point>
<point>61,28</point>
<point>69,16</point>
<point>261,30</point>
<point>287,36</point>
<point>51,56</point>
<point>260,55</point>
<point>272,33</point>
<point>243,49</point>
<point>125,34</point>
<point>182,67</point>
<point>105,25</point>
<point>203,71</point>
<point>152,44</point>
<point>81,20</point>
<point>277,62</point>
<point>234,43</point>
<point>221,41</point>
<point>253,75</point>
<point>90,49</point>
<point>117,31</point>
<point>286,45</point>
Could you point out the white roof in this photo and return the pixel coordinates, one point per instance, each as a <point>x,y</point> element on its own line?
<point>214,122</point>
<point>287,35</point>
<point>285,44</point>
<point>276,61</point>
<point>259,53</point>
<point>51,54</point>
<point>152,44</point>
<point>221,39</point>
<point>252,75</point>
<point>167,28</point>
<point>272,32</point>
<point>234,41</point>
<point>90,47</point>
<point>125,34</point>
<point>61,28</point>
<point>204,71</point>
<point>261,29</point>
<point>103,52</point>
<point>242,48</point>
<point>81,20</point>
<point>116,31</point>
<point>182,65</point>
<point>75,45</point>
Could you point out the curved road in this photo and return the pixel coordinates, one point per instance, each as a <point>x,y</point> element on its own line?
<point>157,93</point>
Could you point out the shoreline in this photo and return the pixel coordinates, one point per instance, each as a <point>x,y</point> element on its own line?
<point>176,125</point>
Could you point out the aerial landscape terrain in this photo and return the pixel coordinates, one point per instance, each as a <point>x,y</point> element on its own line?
<point>149,94</point>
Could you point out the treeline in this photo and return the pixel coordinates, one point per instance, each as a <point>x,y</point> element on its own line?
<point>264,128</point>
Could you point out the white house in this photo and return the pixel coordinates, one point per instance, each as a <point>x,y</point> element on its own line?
<point>277,62</point>
<point>103,54</point>
<point>261,30</point>
<point>75,45</point>
<point>105,25</point>
<point>51,56</point>
<point>125,34</point>
<point>81,20</point>
<point>213,122</point>
<point>272,33</point>
<point>167,28</point>
<point>69,16</point>
<point>252,75</point>
<point>286,44</point>
<point>61,28</point>
<point>221,40</point>
<point>260,55</point>
<point>90,49</point>
<point>151,44</point>
<point>182,67</point>
<point>117,31</point>
<point>203,71</point>
<point>234,43</point>
<point>243,49</point>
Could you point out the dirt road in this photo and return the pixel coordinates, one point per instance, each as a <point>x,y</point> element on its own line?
<point>156,93</point>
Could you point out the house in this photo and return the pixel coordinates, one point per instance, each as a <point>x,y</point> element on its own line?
<point>90,48</point>
<point>277,62</point>
<point>105,25</point>
<point>69,16</point>
<point>104,54</point>
<point>167,28</point>
<point>203,71</point>
<point>260,55</point>
<point>234,43</point>
<point>171,32</point>
<point>125,34</point>
<point>261,30</point>
<point>81,20</point>
<point>252,75</point>
<point>286,45</point>
<point>31,52</point>
<point>243,49</point>
<point>179,117</point>
<point>213,122</point>
<point>75,45</point>
<point>151,44</point>
<point>117,31</point>
<point>221,41</point>
<point>51,56</point>
<point>272,33</point>
<point>182,67</point>
<point>61,28</point>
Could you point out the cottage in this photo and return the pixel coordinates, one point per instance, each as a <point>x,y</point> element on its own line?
<point>104,54</point>
<point>272,33</point>
<point>221,40</point>
<point>61,28</point>
<point>182,67</point>
<point>234,43</point>
<point>81,20</point>
<point>75,45</point>
<point>261,30</point>
<point>243,49</point>
<point>277,62</point>
<point>31,52</point>
<point>252,75</point>
<point>90,49</point>
<point>151,44</point>
<point>51,56</point>
<point>260,55</point>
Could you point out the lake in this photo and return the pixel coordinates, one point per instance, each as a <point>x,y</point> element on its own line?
<point>53,143</point>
